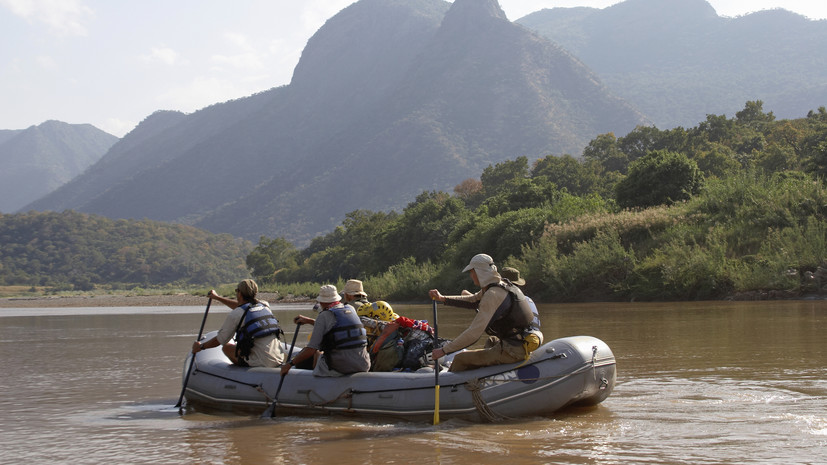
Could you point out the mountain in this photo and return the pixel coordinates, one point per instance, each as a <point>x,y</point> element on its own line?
<point>677,60</point>
<point>389,98</point>
<point>38,160</point>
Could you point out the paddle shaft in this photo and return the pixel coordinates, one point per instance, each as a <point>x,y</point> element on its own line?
<point>192,360</point>
<point>436,370</point>
<point>271,410</point>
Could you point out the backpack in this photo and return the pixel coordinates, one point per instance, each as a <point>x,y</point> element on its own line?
<point>386,353</point>
<point>416,351</point>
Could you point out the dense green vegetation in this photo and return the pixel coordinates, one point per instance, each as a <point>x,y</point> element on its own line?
<point>732,205</point>
<point>75,251</point>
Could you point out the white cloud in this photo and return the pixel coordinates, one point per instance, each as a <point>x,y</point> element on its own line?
<point>65,17</point>
<point>165,55</point>
<point>46,62</point>
<point>249,60</point>
<point>246,56</point>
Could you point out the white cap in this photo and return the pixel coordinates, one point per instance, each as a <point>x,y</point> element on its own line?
<point>481,261</point>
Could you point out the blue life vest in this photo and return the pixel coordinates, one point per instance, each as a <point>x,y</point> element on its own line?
<point>535,322</point>
<point>257,321</point>
<point>348,333</point>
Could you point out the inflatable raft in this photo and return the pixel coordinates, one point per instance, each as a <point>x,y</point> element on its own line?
<point>576,370</point>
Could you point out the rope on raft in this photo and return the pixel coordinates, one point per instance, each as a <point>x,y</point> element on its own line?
<point>474,386</point>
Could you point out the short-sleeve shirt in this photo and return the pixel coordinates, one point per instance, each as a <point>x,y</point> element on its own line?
<point>267,351</point>
<point>342,361</point>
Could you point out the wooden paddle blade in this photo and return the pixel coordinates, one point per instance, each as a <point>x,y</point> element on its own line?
<point>436,405</point>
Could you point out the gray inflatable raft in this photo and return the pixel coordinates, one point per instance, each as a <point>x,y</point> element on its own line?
<point>576,370</point>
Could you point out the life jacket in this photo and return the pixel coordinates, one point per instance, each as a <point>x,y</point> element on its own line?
<point>514,315</point>
<point>257,321</point>
<point>348,333</point>
<point>535,315</point>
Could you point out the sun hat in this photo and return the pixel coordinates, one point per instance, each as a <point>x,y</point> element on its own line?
<point>328,294</point>
<point>513,275</point>
<point>480,261</point>
<point>354,287</point>
<point>248,289</point>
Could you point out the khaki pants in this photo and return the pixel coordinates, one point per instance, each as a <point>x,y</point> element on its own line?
<point>494,355</point>
<point>495,352</point>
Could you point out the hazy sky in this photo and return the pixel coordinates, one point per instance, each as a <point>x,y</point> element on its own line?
<point>113,63</point>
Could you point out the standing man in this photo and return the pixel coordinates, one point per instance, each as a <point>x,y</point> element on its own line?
<point>338,341</point>
<point>503,312</point>
<point>252,324</point>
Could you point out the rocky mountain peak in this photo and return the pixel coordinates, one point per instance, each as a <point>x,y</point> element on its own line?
<point>473,13</point>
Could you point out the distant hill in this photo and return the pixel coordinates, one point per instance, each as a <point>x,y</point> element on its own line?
<point>78,251</point>
<point>390,98</point>
<point>37,160</point>
<point>677,60</point>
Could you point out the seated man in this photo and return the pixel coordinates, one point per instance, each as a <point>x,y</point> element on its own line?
<point>354,294</point>
<point>338,341</point>
<point>503,311</point>
<point>252,323</point>
<point>513,275</point>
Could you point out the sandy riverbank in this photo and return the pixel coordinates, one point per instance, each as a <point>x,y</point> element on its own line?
<point>117,301</point>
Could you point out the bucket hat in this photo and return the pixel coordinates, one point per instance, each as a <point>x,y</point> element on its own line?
<point>513,275</point>
<point>328,294</point>
<point>354,287</point>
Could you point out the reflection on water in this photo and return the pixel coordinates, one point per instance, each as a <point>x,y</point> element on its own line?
<point>708,382</point>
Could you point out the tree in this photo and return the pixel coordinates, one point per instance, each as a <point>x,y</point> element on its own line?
<point>814,145</point>
<point>495,177</point>
<point>522,193</point>
<point>567,173</point>
<point>421,231</point>
<point>271,256</point>
<point>644,139</point>
<point>662,177</point>
<point>604,150</point>
<point>753,115</point>
<point>470,191</point>
<point>716,128</point>
<point>717,160</point>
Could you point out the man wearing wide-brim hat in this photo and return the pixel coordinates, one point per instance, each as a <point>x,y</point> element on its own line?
<point>513,275</point>
<point>495,316</point>
<point>338,336</point>
<point>354,294</point>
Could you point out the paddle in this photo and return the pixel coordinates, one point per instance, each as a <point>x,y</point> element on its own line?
<point>192,362</point>
<point>271,410</point>
<point>436,373</point>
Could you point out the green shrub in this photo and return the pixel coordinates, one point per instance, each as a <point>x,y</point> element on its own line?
<point>685,270</point>
<point>661,177</point>
<point>408,281</point>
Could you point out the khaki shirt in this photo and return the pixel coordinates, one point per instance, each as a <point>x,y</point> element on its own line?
<point>267,351</point>
<point>489,300</point>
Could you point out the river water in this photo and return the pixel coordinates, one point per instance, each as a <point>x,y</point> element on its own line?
<point>706,382</point>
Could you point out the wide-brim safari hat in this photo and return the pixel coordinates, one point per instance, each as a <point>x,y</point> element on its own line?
<point>328,294</point>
